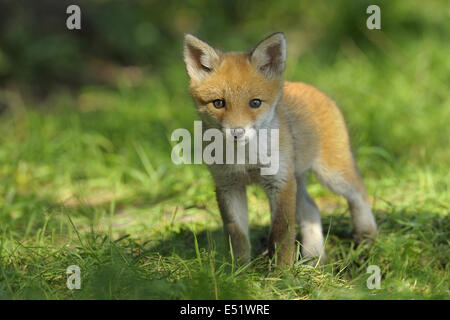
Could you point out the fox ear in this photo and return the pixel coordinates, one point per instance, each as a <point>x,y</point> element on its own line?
<point>269,55</point>
<point>200,58</point>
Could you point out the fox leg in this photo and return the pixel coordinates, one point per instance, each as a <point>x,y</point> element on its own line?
<point>232,202</point>
<point>308,218</point>
<point>282,231</point>
<point>343,178</point>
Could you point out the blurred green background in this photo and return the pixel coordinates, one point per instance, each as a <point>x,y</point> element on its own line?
<point>85,123</point>
<point>131,43</point>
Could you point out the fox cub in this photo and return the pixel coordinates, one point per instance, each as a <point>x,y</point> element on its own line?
<point>238,93</point>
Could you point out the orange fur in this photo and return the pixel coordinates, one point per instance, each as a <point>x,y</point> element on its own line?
<point>312,135</point>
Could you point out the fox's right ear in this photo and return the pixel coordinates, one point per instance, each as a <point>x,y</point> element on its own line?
<point>200,58</point>
<point>269,55</point>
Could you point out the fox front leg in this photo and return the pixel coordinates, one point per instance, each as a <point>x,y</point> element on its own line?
<point>232,201</point>
<point>282,231</point>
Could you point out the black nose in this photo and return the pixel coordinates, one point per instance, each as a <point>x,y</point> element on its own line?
<point>237,132</point>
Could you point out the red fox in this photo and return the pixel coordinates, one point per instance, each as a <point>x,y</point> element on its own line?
<point>236,92</point>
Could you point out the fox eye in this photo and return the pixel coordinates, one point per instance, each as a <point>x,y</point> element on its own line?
<point>255,103</point>
<point>219,103</point>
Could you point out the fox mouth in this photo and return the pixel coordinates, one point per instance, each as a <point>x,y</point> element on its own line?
<point>236,140</point>
<point>242,141</point>
<point>239,135</point>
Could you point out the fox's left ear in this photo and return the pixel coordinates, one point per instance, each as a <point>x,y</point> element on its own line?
<point>269,55</point>
<point>201,59</point>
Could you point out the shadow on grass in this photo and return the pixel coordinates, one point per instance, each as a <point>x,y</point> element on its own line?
<point>183,243</point>
<point>171,268</point>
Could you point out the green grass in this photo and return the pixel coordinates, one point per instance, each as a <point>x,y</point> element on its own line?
<point>86,179</point>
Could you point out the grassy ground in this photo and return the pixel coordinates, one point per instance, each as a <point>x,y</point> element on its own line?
<point>87,180</point>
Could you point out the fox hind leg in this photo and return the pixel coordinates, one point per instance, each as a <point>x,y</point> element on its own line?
<point>343,178</point>
<point>309,221</point>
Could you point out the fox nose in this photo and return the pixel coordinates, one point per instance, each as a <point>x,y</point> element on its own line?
<point>237,132</point>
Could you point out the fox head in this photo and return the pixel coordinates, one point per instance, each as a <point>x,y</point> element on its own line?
<point>236,91</point>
